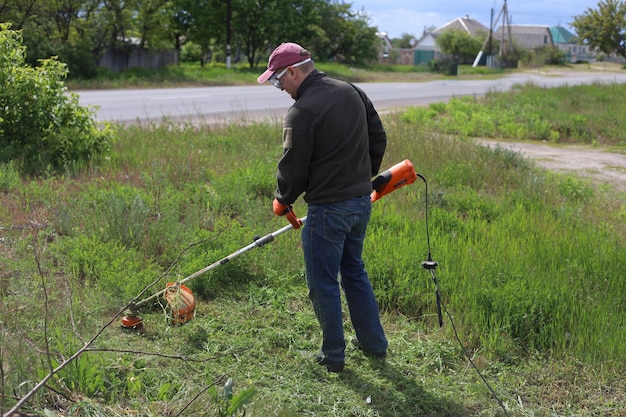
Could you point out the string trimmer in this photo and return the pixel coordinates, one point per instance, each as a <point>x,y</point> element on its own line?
<point>180,298</point>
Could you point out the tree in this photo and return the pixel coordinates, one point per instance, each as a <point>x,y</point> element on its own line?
<point>254,25</point>
<point>604,28</point>
<point>206,24</point>
<point>359,45</point>
<point>406,41</point>
<point>152,19</point>
<point>261,25</point>
<point>180,25</point>
<point>79,31</point>
<point>343,35</point>
<point>460,44</point>
<point>18,12</point>
<point>61,28</point>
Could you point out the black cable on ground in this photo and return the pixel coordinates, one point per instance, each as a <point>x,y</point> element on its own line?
<point>431,265</point>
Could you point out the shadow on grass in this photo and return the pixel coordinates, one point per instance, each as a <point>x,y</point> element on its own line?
<point>395,393</point>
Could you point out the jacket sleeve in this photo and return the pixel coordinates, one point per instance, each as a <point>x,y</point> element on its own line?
<point>376,132</point>
<point>293,168</point>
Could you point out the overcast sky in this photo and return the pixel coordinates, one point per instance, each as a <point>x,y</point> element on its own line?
<point>411,16</point>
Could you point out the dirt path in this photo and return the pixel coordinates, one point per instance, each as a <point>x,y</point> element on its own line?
<point>600,165</point>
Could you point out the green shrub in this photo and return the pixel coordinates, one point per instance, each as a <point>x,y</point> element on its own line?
<point>9,177</point>
<point>190,52</point>
<point>42,128</point>
<point>574,189</point>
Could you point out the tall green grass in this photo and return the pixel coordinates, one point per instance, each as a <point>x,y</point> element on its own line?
<point>528,259</point>
<point>581,114</point>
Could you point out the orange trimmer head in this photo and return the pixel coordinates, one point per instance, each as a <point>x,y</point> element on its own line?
<point>181,307</point>
<point>132,322</point>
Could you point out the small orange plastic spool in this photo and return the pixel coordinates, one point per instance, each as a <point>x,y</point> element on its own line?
<point>181,302</point>
<point>132,322</point>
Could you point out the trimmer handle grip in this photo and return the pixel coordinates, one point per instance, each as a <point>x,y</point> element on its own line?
<point>397,176</point>
<point>293,219</point>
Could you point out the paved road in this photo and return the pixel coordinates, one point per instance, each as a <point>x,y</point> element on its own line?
<point>215,104</point>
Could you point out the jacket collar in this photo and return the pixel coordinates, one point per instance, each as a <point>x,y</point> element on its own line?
<point>314,76</point>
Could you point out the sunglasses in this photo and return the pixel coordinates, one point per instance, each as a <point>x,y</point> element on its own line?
<point>275,78</point>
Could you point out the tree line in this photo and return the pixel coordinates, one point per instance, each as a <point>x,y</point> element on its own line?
<point>79,31</point>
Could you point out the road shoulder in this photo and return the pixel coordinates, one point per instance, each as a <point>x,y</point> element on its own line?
<point>602,165</point>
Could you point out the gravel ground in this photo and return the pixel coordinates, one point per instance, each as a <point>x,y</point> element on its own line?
<point>600,165</point>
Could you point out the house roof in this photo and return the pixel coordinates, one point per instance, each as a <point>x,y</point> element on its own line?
<point>385,38</point>
<point>527,36</point>
<point>562,35</point>
<point>470,26</point>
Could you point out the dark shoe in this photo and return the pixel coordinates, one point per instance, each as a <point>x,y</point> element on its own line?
<point>377,355</point>
<point>334,367</point>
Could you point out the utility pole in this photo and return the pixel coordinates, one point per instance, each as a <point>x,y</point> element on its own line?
<point>506,26</point>
<point>228,18</point>
<point>490,33</point>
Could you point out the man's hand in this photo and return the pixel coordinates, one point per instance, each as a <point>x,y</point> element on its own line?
<point>279,208</point>
<point>282,210</point>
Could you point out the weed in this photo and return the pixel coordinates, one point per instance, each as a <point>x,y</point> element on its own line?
<point>9,176</point>
<point>229,405</point>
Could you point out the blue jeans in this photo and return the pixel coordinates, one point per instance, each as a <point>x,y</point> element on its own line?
<point>332,241</point>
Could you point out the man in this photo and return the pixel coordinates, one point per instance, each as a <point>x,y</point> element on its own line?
<point>333,144</point>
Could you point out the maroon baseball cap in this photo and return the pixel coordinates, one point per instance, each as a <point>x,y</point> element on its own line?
<point>286,54</point>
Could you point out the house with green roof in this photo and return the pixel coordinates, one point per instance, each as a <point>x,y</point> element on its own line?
<point>562,35</point>
<point>568,43</point>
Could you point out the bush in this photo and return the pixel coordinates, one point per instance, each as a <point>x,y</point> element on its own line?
<point>9,177</point>
<point>43,129</point>
<point>190,52</point>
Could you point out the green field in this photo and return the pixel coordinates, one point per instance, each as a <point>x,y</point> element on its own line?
<point>530,269</point>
